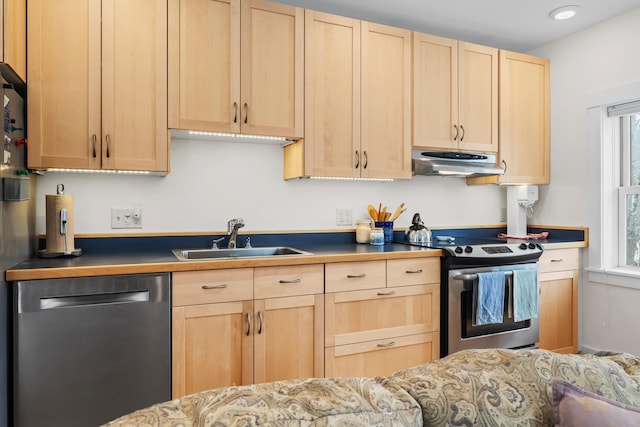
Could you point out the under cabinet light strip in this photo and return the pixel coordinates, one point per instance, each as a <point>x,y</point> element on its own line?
<point>338,178</point>
<point>103,171</point>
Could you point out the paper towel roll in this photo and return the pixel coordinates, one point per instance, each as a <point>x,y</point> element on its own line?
<point>59,229</point>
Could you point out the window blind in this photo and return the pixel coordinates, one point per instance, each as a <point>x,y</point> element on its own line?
<point>622,109</point>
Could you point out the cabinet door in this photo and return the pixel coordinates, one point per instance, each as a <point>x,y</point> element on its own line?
<point>134,85</point>
<point>289,338</point>
<point>524,118</point>
<point>272,69</point>
<point>64,84</point>
<point>435,92</point>
<point>478,97</point>
<point>13,35</point>
<point>332,95</point>
<point>559,311</point>
<point>383,357</point>
<point>386,102</point>
<point>212,346</point>
<point>204,65</point>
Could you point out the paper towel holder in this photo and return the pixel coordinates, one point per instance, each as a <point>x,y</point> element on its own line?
<point>59,216</point>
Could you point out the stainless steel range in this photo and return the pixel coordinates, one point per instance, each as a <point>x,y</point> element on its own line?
<point>462,264</point>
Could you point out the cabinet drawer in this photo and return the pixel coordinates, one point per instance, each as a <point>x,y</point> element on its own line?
<point>203,287</point>
<point>418,271</point>
<point>357,316</point>
<point>271,282</point>
<point>559,260</point>
<point>349,276</point>
<point>382,357</point>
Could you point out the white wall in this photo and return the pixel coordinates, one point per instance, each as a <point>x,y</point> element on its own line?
<point>586,63</point>
<point>211,182</point>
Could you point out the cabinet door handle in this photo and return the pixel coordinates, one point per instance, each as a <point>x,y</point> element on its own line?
<point>246,113</point>
<point>93,141</point>
<point>291,281</point>
<point>456,129</point>
<point>248,323</point>
<point>386,293</point>
<point>235,112</point>
<point>261,322</point>
<point>357,159</point>
<point>418,271</point>
<point>557,260</point>
<point>505,166</point>
<point>462,136</point>
<point>391,344</point>
<point>356,276</point>
<point>223,286</point>
<point>365,159</point>
<point>108,138</point>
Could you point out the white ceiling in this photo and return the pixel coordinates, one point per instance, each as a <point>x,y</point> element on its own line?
<point>519,25</point>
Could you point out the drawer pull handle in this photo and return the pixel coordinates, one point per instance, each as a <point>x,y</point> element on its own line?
<point>391,344</point>
<point>414,271</point>
<point>223,286</point>
<point>557,260</point>
<point>387,293</point>
<point>248,323</point>
<point>261,321</point>
<point>356,276</point>
<point>291,281</point>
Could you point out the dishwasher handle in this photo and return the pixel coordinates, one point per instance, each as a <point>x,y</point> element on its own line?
<point>93,299</point>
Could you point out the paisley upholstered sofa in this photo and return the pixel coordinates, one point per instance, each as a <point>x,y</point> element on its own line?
<point>472,387</point>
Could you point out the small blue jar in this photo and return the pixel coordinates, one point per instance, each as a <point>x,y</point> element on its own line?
<point>376,237</point>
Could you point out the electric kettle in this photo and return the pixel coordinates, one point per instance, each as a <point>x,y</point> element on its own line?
<point>418,233</point>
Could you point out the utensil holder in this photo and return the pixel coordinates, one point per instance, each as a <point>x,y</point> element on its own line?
<point>387,228</point>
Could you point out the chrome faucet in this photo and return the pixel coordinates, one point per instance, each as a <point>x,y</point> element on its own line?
<point>232,228</point>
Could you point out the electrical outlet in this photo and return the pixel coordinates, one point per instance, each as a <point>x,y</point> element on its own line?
<point>503,214</point>
<point>126,218</point>
<point>344,217</point>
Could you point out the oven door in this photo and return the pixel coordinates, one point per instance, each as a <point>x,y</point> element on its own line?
<point>461,330</point>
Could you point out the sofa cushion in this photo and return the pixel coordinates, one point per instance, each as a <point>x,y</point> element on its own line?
<point>574,407</point>
<point>311,402</point>
<point>509,387</point>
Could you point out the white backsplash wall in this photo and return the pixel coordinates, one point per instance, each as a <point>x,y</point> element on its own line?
<point>212,181</point>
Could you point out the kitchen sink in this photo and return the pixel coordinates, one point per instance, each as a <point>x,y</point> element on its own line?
<point>199,254</point>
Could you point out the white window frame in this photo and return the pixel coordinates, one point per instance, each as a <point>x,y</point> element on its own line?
<point>602,262</point>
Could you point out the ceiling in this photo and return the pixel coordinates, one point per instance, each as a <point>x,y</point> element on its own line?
<point>518,25</point>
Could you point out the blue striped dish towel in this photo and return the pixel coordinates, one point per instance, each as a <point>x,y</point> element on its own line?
<point>490,298</point>
<point>526,294</point>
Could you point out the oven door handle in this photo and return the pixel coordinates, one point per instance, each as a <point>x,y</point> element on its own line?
<point>474,276</point>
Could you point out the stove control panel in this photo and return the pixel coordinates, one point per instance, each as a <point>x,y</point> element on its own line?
<point>494,250</point>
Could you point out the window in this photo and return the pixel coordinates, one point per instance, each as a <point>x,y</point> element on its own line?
<point>628,134</point>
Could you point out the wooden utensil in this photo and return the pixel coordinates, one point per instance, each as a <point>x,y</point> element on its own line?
<point>372,212</point>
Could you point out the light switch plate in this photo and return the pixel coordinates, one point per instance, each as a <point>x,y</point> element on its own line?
<point>125,218</point>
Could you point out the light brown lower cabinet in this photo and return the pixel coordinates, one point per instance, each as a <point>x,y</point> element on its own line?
<point>232,338</point>
<point>559,300</point>
<point>375,327</point>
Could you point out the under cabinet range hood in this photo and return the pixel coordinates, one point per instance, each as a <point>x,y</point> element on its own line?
<point>452,163</point>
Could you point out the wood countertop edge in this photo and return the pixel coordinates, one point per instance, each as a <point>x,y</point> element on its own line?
<point>178,266</point>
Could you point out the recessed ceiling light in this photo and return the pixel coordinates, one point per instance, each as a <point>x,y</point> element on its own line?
<point>564,12</point>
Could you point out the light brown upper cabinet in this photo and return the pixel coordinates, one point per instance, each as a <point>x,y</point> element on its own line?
<point>455,95</point>
<point>524,120</point>
<point>97,92</point>
<point>236,66</point>
<point>13,35</point>
<point>357,101</point>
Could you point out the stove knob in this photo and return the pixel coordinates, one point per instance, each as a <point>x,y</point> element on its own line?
<point>458,250</point>
<point>468,249</point>
<point>523,246</point>
<point>532,245</point>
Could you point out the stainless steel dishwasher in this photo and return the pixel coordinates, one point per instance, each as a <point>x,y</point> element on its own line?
<point>88,350</point>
